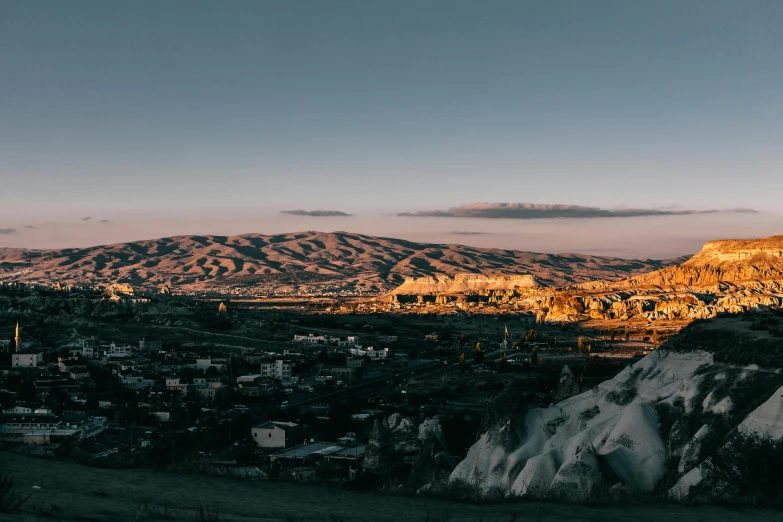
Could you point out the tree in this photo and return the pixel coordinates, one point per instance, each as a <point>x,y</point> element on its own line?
<point>532,335</point>
<point>580,345</point>
<point>748,467</point>
<point>534,355</point>
<point>478,355</point>
<point>463,366</point>
<point>627,333</point>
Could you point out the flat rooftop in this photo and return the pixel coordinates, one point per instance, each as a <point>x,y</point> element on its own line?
<point>321,449</point>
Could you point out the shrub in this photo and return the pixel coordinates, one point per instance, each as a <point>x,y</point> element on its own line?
<point>10,499</point>
<point>748,468</point>
<point>207,514</point>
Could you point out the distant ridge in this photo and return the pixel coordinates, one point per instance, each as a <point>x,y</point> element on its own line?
<point>313,262</point>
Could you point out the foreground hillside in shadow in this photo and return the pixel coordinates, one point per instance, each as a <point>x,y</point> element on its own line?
<point>69,492</point>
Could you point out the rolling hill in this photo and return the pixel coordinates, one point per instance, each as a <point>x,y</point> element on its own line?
<point>313,262</point>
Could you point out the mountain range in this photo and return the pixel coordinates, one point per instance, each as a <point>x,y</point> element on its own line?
<point>302,262</point>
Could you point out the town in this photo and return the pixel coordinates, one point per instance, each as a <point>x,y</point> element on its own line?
<point>290,393</point>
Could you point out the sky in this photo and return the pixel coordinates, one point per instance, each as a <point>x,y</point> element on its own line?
<point>619,124</point>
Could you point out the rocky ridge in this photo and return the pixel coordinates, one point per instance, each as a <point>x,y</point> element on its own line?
<point>461,283</point>
<point>724,277</point>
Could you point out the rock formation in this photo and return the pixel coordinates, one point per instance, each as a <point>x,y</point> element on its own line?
<point>664,414</point>
<point>463,283</point>
<point>724,277</point>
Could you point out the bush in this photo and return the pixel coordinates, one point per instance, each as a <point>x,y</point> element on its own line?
<point>10,499</point>
<point>748,468</point>
<point>207,514</point>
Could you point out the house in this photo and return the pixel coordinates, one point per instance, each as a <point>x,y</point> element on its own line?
<point>150,346</point>
<point>203,364</point>
<point>248,379</point>
<point>370,352</point>
<point>254,358</point>
<point>116,349</point>
<point>5,345</point>
<point>28,358</point>
<point>79,373</point>
<point>177,386</point>
<point>327,459</point>
<point>46,385</point>
<point>90,348</point>
<point>341,373</point>
<point>162,416</point>
<point>210,391</point>
<point>310,338</point>
<point>135,382</point>
<point>66,364</point>
<point>19,410</point>
<point>279,369</point>
<point>16,423</point>
<point>275,434</point>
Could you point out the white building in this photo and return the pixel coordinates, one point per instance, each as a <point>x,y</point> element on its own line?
<point>116,349</point>
<point>278,369</point>
<point>311,338</point>
<point>176,386</point>
<point>26,358</point>
<point>370,352</point>
<point>20,410</point>
<point>90,348</point>
<point>274,434</point>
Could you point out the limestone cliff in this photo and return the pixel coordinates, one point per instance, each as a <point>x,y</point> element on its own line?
<point>462,283</point>
<point>722,261</point>
<point>724,277</point>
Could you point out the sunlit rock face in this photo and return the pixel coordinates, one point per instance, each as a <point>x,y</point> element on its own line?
<point>724,277</point>
<point>461,283</point>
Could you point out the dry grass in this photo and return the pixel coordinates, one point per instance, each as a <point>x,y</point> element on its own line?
<point>72,492</point>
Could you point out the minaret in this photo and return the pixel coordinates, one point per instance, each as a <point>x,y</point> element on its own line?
<point>16,337</point>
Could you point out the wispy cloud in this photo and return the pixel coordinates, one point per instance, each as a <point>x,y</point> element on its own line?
<point>543,211</point>
<point>104,221</point>
<point>29,226</point>
<point>7,231</point>
<point>470,233</point>
<point>315,213</point>
<point>87,218</point>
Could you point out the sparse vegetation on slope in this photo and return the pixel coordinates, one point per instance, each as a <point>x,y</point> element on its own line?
<point>310,261</point>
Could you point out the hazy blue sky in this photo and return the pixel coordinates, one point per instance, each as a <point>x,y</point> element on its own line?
<point>180,117</point>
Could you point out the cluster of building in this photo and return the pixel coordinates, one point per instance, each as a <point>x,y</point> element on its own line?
<point>82,391</point>
<point>351,340</point>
